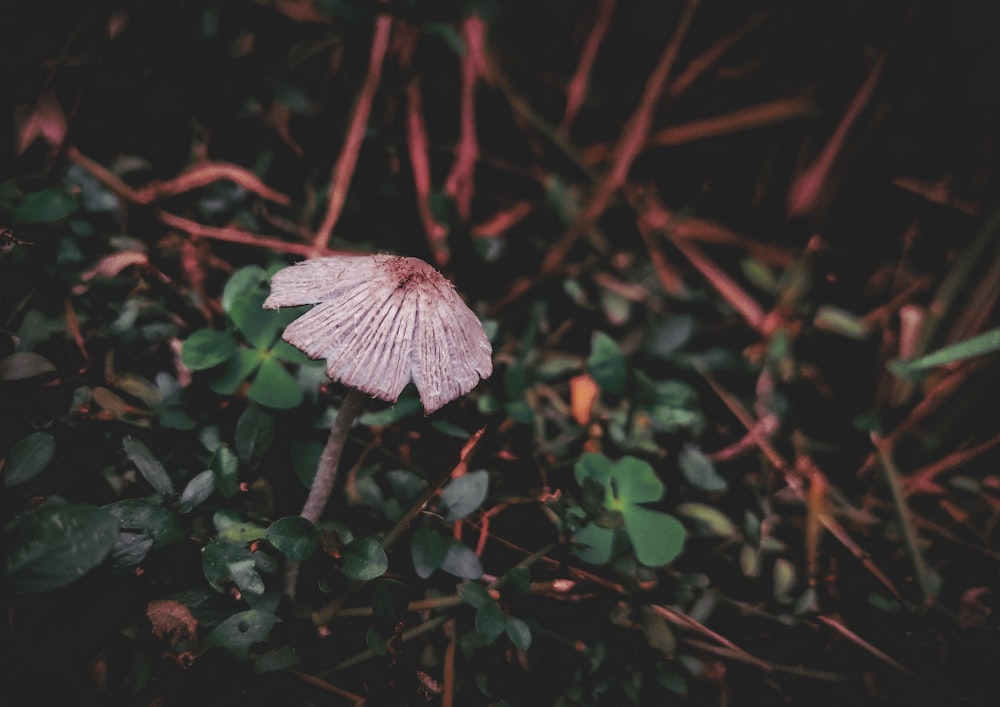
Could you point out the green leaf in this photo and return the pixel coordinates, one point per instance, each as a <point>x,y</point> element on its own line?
<point>490,621</point>
<point>149,466</point>
<point>235,371</point>
<point>408,405</point>
<point>46,206</point>
<point>245,280</point>
<point>750,561</point>
<point>636,481</point>
<point>461,561</point>
<point>278,659</point>
<point>475,595</point>
<point>207,348</point>
<point>518,632</point>
<point>784,578</point>
<point>606,363</point>
<point>242,532</point>
<point>223,562</point>
<point>465,494</point>
<point>593,466</point>
<point>516,582</point>
<point>657,538</point>
<point>294,537</point>
<point>594,544</point>
<point>259,326</point>
<point>985,343</point>
<point>55,545</point>
<point>708,520</point>
<point>275,387</point>
<point>669,334</point>
<point>149,518</point>
<point>288,353</point>
<point>239,632</point>
<point>130,549</point>
<point>197,490</point>
<point>428,549</point>
<point>22,365</point>
<point>254,435</point>
<point>226,467</point>
<point>364,559</point>
<point>699,470</point>
<point>28,458</point>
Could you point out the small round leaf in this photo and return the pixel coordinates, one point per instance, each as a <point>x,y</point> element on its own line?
<point>294,537</point>
<point>28,458</point>
<point>364,559</point>
<point>55,545</point>
<point>239,632</point>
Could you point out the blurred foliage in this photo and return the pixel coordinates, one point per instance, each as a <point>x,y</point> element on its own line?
<point>740,442</point>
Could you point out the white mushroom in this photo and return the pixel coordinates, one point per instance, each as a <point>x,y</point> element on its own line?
<point>382,321</point>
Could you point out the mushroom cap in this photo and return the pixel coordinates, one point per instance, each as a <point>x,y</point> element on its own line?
<point>382,321</point>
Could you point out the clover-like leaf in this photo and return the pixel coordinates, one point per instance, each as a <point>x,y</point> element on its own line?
<point>635,481</point>
<point>656,537</point>
<point>592,466</point>
<point>274,386</point>
<point>207,348</point>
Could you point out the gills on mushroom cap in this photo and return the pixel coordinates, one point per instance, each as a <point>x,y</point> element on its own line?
<point>382,321</point>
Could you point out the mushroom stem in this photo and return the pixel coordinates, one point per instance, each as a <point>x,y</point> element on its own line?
<point>326,472</point>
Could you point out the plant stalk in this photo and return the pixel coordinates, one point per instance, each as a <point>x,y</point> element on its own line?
<point>326,473</point>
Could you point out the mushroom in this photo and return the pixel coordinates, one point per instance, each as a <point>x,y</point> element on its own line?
<point>380,321</point>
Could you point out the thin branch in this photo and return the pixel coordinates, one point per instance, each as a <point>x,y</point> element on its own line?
<point>343,170</point>
<point>198,176</point>
<point>892,476</point>
<point>805,194</point>
<point>742,119</point>
<point>795,481</point>
<point>237,235</point>
<point>708,58</point>
<point>632,140</point>
<point>685,621</point>
<point>576,90</point>
<point>859,641</point>
<point>407,636</point>
<point>416,133</point>
<point>460,181</point>
<point>922,480</point>
<point>308,679</point>
<point>630,143</point>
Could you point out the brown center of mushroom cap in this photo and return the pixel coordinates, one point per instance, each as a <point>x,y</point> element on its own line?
<point>411,271</point>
